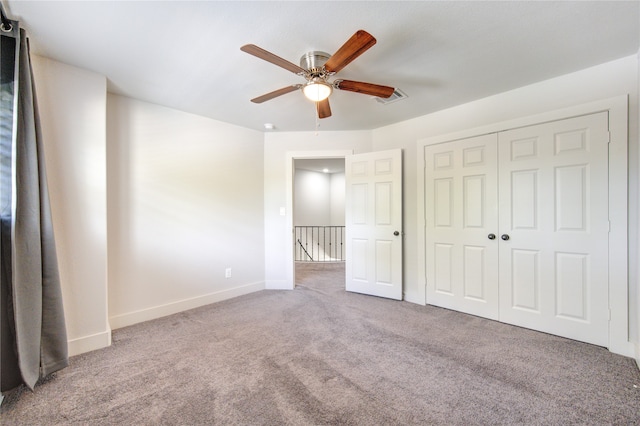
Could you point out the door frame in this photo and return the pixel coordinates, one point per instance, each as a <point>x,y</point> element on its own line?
<point>290,165</point>
<point>617,107</point>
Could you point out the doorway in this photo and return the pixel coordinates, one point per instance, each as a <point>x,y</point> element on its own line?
<point>318,220</point>
<point>316,211</point>
<point>373,218</point>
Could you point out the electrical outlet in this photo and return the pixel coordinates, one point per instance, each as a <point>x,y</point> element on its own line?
<point>227,273</point>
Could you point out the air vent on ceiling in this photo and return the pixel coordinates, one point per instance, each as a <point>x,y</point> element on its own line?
<point>398,95</point>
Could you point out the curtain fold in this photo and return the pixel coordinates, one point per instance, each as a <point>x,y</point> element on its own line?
<point>35,297</point>
<point>10,372</point>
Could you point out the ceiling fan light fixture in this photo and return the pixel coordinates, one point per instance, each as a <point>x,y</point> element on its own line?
<point>317,91</point>
<point>317,68</point>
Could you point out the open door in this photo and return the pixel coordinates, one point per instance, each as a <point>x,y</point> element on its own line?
<point>373,218</point>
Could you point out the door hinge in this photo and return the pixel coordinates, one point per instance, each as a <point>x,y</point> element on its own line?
<point>609,314</point>
<point>608,137</point>
<point>608,226</point>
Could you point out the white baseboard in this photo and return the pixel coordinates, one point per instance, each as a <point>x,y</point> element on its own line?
<point>637,345</point>
<point>130,318</point>
<point>277,285</point>
<point>89,343</point>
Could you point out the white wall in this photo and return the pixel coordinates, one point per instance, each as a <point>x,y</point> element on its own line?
<point>311,198</point>
<point>72,106</point>
<point>611,79</point>
<point>318,198</point>
<point>184,203</point>
<point>338,190</point>
<point>278,261</point>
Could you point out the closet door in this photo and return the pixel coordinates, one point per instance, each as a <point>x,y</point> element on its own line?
<point>461,225</point>
<point>553,191</point>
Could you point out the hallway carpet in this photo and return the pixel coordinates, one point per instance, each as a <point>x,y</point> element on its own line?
<point>321,356</point>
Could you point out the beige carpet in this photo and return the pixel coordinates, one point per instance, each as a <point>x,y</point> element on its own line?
<point>319,355</point>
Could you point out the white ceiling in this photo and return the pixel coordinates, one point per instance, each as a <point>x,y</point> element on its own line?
<point>186,55</point>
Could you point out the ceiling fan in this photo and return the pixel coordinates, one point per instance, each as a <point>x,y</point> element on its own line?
<point>317,67</point>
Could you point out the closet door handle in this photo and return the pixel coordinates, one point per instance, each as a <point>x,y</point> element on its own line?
<point>396,233</point>
<point>491,236</point>
<point>504,237</point>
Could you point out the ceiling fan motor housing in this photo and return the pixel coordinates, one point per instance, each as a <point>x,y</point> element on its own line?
<point>314,61</point>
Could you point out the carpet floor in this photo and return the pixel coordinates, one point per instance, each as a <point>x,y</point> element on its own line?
<point>321,356</point>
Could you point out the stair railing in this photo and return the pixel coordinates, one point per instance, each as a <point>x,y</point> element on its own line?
<point>319,243</point>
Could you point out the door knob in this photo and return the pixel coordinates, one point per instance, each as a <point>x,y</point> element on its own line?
<point>504,237</point>
<point>491,236</point>
<point>396,233</point>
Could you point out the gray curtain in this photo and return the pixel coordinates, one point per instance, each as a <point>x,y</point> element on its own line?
<point>31,285</point>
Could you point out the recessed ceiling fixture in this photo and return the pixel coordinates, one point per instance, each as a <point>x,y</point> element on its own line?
<point>325,170</point>
<point>269,126</point>
<point>317,67</point>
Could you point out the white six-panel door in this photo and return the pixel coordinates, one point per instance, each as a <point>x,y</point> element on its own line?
<point>542,191</point>
<point>461,218</point>
<point>554,208</point>
<point>373,216</point>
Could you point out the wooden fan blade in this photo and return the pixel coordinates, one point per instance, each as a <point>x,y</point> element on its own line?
<point>258,52</point>
<point>275,94</point>
<point>323,108</point>
<point>365,88</point>
<point>359,43</point>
